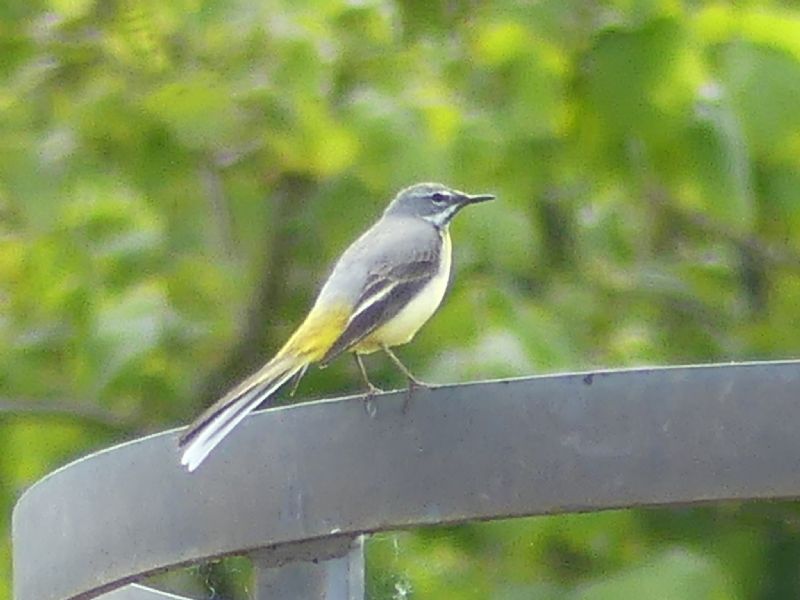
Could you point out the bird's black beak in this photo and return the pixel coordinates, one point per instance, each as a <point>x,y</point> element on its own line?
<point>467,199</point>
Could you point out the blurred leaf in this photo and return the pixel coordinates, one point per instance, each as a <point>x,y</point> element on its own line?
<point>640,82</point>
<point>762,24</point>
<point>72,9</point>
<point>199,110</point>
<point>675,574</point>
<point>765,84</point>
<point>129,327</point>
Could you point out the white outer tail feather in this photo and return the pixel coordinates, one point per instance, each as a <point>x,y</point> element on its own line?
<point>221,424</point>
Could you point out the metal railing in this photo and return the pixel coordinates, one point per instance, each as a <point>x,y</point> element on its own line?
<point>295,488</point>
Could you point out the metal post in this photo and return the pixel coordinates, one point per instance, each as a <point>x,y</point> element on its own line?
<point>319,570</point>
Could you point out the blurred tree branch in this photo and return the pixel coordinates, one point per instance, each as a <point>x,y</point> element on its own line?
<point>249,352</point>
<point>220,211</point>
<point>755,253</point>
<point>70,411</point>
<point>776,253</point>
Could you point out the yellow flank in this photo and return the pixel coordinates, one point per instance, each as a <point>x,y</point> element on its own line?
<point>404,325</point>
<point>324,324</point>
<point>321,328</point>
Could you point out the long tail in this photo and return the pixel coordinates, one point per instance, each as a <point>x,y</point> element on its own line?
<point>307,345</point>
<point>219,419</point>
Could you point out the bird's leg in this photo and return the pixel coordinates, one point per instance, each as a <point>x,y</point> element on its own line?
<point>371,389</point>
<point>369,405</point>
<point>413,382</point>
<point>296,380</point>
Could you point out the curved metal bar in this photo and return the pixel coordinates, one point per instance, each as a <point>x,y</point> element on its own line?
<point>140,592</point>
<point>328,469</point>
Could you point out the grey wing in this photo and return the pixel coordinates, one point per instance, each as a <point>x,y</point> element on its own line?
<point>398,269</point>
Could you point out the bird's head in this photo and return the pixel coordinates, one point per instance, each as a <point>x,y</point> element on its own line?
<point>433,202</point>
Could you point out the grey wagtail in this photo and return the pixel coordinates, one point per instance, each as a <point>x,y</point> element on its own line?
<point>382,290</point>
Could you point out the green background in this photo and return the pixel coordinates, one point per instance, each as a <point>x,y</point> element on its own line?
<point>176,176</point>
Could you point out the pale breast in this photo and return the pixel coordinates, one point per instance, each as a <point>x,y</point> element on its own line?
<point>401,328</point>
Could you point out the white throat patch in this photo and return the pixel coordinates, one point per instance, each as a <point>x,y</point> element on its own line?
<point>442,218</point>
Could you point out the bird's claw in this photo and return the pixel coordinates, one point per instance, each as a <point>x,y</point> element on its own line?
<point>413,385</point>
<point>369,400</point>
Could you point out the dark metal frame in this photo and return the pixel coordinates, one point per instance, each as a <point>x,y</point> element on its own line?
<point>296,487</point>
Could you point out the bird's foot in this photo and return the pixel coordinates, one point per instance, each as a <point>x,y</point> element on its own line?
<point>373,390</point>
<point>369,400</point>
<point>414,384</point>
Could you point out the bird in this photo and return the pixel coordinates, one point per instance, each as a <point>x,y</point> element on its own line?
<point>381,291</point>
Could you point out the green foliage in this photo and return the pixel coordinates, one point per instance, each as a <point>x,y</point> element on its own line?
<point>175,175</point>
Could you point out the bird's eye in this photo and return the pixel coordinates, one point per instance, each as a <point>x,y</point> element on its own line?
<point>439,198</point>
